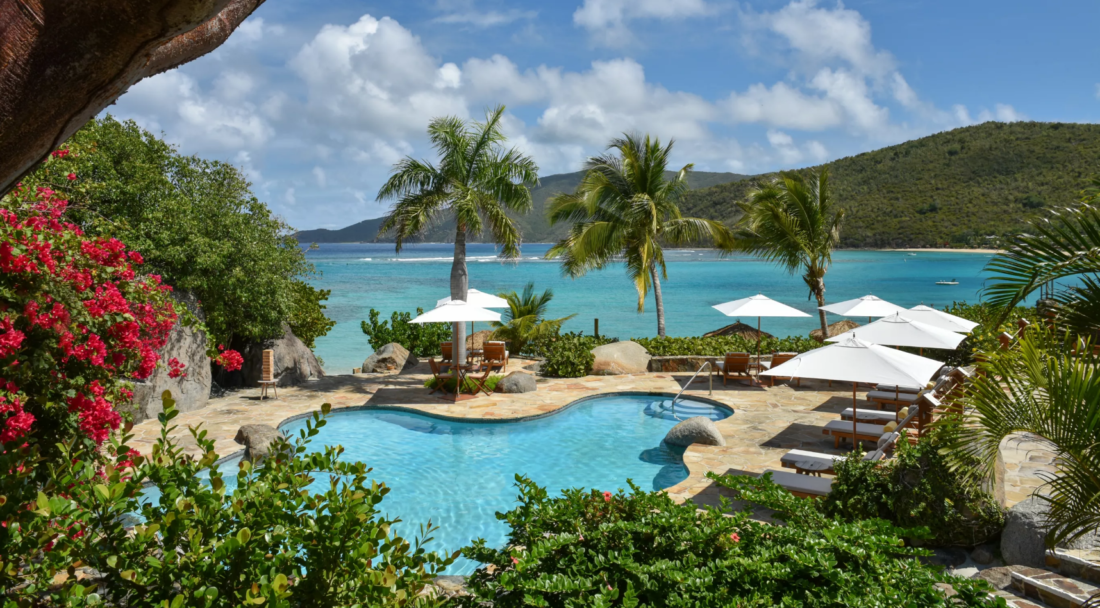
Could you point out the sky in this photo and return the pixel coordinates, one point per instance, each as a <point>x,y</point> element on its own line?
<point>316,101</point>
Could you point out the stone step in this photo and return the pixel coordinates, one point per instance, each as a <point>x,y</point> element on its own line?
<point>1083,564</point>
<point>1018,601</point>
<point>1053,588</point>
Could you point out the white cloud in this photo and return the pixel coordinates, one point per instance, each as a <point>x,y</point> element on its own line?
<point>822,35</point>
<point>488,18</point>
<point>782,106</point>
<point>817,151</point>
<point>319,175</point>
<point>1098,90</point>
<point>289,197</point>
<point>1001,112</point>
<point>607,20</point>
<point>962,114</point>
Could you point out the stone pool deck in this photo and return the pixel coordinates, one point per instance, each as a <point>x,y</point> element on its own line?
<point>768,421</point>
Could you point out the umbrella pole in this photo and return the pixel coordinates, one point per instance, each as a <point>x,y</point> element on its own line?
<point>855,414</point>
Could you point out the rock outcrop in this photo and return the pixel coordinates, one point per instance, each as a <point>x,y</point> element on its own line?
<point>1023,540</point>
<point>191,391</point>
<point>620,358</point>
<point>389,358</point>
<point>256,439</point>
<point>294,362</point>
<point>698,429</point>
<point>517,382</point>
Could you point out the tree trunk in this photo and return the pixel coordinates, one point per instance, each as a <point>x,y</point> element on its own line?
<point>821,313</point>
<point>460,284</point>
<point>659,300</point>
<point>62,62</point>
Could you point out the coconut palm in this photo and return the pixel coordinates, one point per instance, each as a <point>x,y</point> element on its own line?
<point>794,222</point>
<point>625,208</point>
<point>524,320</point>
<point>476,182</point>
<point>1039,387</point>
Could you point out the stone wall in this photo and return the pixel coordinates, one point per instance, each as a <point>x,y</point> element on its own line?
<point>688,364</point>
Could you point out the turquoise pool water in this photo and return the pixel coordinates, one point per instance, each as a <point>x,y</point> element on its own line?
<point>460,474</point>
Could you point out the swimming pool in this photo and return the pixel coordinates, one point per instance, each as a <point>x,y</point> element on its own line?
<point>460,474</point>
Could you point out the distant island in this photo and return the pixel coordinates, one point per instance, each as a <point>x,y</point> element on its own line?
<point>965,188</point>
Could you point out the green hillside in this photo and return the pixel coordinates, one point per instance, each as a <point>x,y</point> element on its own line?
<point>953,188</point>
<point>533,226</point>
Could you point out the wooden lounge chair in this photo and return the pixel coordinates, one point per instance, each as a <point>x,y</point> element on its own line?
<point>267,375</point>
<point>793,458</point>
<point>735,366</point>
<point>805,486</point>
<point>493,355</point>
<point>449,357</point>
<point>777,360</point>
<point>870,416</point>
<point>894,399</point>
<point>841,430</point>
<point>890,388</point>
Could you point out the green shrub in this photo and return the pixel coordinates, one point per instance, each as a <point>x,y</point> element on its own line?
<point>421,339</point>
<point>720,345</point>
<point>279,539</point>
<point>566,355</point>
<point>916,489</point>
<point>588,548</point>
<point>468,385</point>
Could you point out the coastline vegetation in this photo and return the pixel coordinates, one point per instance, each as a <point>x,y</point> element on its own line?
<point>525,318</point>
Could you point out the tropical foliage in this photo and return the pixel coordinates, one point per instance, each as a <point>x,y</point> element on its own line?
<point>720,345</point>
<point>300,529</point>
<point>195,223</point>
<point>625,210</point>
<point>794,222</point>
<point>524,320</point>
<point>468,385</point>
<point>567,355</point>
<point>593,548</point>
<point>1043,387</point>
<point>976,186</point>
<point>420,339</point>
<point>476,181</point>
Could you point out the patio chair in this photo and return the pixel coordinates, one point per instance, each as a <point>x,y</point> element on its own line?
<point>449,357</point>
<point>439,375</point>
<point>267,375</point>
<point>480,382</point>
<point>494,355</point>
<point>777,360</point>
<point>736,366</point>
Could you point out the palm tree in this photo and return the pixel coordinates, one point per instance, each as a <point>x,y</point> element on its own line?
<point>476,181</point>
<point>1040,387</point>
<point>793,221</point>
<point>625,208</point>
<point>524,320</point>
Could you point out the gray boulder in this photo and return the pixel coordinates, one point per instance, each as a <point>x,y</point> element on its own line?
<point>517,382</point>
<point>620,358</point>
<point>699,429</point>
<point>294,362</point>
<point>192,391</point>
<point>1023,540</point>
<point>389,358</point>
<point>256,439</point>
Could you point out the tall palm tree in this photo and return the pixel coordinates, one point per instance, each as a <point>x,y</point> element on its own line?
<point>793,222</point>
<point>525,318</point>
<point>1040,387</point>
<point>476,181</point>
<point>625,208</point>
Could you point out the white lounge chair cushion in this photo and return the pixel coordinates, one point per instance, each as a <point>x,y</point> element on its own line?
<point>818,486</point>
<point>891,396</point>
<point>844,427</point>
<point>720,366</point>
<point>865,414</point>
<point>902,389</point>
<point>793,457</point>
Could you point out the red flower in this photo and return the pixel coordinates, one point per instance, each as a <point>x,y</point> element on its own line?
<point>607,496</point>
<point>735,538</point>
<point>72,176</point>
<point>514,561</point>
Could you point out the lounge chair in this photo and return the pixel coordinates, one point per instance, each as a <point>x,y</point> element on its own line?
<point>870,416</point>
<point>493,355</point>
<point>793,458</point>
<point>448,355</point>
<point>841,430</point>
<point>890,388</point>
<point>805,486</point>
<point>777,360</point>
<point>735,366</point>
<point>439,374</point>
<point>896,399</point>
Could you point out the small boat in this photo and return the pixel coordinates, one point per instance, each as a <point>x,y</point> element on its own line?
<point>951,282</point>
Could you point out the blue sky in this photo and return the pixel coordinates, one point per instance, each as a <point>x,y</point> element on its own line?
<point>315,101</point>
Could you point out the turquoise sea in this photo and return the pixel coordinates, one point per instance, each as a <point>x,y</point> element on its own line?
<point>371,275</point>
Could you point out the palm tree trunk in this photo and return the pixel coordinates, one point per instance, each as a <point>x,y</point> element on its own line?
<point>660,301</point>
<point>460,283</point>
<point>821,313</point>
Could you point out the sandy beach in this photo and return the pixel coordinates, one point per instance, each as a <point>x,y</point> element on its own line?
<point>948,250</point>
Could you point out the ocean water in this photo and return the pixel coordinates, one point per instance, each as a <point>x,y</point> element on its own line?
<point>372,275</point>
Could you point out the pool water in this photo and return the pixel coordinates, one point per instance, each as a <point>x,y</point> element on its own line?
<point>460,474</point>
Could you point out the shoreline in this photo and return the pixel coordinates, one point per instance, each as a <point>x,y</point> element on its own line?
<point>938,250</point>
<point>910,249</point>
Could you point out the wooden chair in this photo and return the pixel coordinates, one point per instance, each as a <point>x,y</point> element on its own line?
<point>736,366</point>
<point>480,382</point>
<point>494,355</point>
<point>439,375</point>
<point>267,375</point>
<point>777,360</point>
<point>449,357</point>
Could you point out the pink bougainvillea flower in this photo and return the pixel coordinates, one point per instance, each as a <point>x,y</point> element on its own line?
<point>607,496</point>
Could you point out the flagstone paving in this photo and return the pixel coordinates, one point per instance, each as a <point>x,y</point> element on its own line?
<point>768,421</point>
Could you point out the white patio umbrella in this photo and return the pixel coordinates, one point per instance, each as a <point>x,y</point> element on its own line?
<point>899,330</point>
<point>853,360</point>
<point>478,298</point>
<point>867,306</point>
<point>758,306</point>
<point>940,319</point>
<point>457,311</point>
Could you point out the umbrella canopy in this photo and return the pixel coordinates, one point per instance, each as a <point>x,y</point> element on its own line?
<point>479,298</point>
<point>739,329</point>
<point>457,311</point>
<point>854,360</point>
<point>835,329</point>
<point>898,330</point>
<point>867,306</point>
<point>940,319</point>
<point>758,306</point>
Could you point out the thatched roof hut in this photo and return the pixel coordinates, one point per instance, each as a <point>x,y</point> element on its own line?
<point>476,340</point>
<point>835,329</point>
<point>739,329</point>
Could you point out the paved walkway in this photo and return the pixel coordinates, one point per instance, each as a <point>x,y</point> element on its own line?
<point>767,423</point>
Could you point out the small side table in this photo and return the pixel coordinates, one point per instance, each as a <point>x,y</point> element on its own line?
<point>813,468</point>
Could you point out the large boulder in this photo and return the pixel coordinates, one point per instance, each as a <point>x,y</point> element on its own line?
<point>698,429</point>
<point>191,389</point>
<point>256,439</point>
<point>620,358</point>
<point>517,382</point>
<point>1023,540</point>
<point>294,362</point>
<point>391,357</point>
